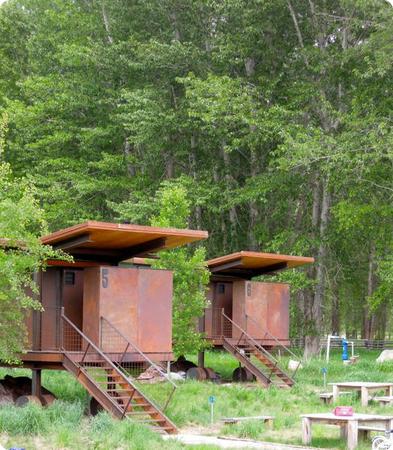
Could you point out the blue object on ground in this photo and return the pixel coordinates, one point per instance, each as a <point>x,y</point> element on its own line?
<point>345,350</point>
<point>212,399</point>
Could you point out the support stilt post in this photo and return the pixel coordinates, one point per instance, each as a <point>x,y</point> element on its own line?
<point>201,359</point>
<point>36,382</point>
<point>201,355</point>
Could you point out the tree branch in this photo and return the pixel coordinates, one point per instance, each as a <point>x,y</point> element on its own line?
<point>298,32</point>
<point>106,23</point>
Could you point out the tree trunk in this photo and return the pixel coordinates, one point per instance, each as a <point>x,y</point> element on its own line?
<point>253,209</point>
<point>131,172</point>
<point>230,182</point>
<point>369,317</point>
<point>216,179</point>
<point>106,22</point>
<point>335,310</point>
<point>193,170</point>
<point>169,166</point>
<point>249,65</point>
<point>313,339</point>
<point>176,32</point>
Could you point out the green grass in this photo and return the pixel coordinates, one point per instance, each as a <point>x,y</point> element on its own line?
<point>65,425</point>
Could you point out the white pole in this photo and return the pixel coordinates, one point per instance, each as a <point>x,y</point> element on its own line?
<point>328,348</point>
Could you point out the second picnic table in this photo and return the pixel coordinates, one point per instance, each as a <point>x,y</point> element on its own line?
<point>364,387</point>
<point>351,426</point>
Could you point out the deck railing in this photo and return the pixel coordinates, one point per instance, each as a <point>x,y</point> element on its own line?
<point>113,341</point>
<point>241,337</point>
<point>223,326</point>
<point>269,336</point>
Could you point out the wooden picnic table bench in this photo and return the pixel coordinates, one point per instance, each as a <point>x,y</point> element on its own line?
<point>327,397</point>
<point>268,420</point>
<point>351,426</point>
<point>364,387</point>
<point>384,400</point>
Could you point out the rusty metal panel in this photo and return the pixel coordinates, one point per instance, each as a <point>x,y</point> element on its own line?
<point>73,296</point>
<point>268,306</point>
<point>223,297</point>
<point>91,302</point>
<point>137,302</point>
<point>50,298</point>
<point>239,306</point>
<point>220,296</point>
<point>118,302</point>
<point>155,310</point>
<point>278,311</point>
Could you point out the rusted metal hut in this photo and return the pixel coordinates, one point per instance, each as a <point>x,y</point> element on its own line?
<point>104,312</point>
<point>246,317</point>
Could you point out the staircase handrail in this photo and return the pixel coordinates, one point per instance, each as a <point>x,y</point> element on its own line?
<point>144,356</point>
<point>97,349</point>
<point>248,337</point>
<point>267,332</point>
<point>252,340</point>
<point>281,345</point>
<point>128,380</point>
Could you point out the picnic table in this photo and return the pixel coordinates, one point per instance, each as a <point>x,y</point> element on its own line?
<point>351,426</point>
<point>364,387</point>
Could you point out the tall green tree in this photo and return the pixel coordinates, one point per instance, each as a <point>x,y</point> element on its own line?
<point>276,115</point>
<point>21,255</point>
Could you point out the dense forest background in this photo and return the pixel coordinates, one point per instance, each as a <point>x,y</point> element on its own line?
<point>276,116</point>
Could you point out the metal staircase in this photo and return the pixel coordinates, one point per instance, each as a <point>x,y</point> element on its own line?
<point>261,363</point>
<point>106,381</point>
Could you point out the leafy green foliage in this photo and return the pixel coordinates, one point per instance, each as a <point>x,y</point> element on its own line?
<point>190,274</point>
<point>63,425</point>
<point>170,208</point>
<point>263,112</point>
<point>21,254</point>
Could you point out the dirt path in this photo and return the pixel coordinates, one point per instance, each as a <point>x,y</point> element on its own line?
<point>223,442</point>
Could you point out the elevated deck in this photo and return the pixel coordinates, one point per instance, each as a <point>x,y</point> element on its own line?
<point>53,359</point>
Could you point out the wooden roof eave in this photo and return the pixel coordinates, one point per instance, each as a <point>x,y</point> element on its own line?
<point>112,243</point>
<point>246,265</point>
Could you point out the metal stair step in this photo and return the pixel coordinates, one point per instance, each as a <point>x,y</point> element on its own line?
<point>151,420</point>
<point>121,398</point>
<point>133,405</point>
<point>118,390</point>
<point>139,413</point>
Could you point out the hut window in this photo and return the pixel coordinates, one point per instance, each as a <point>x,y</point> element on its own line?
<point>221,288</point>
<point>69,278</point>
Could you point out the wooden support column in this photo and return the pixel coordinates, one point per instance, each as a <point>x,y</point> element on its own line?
<point>336,393</point>
<point>344,432</point>
<point>201,359</point>
<point>352,439</point>
<point>306,431</point>
<point>364,396</point>
<point>36,382</point>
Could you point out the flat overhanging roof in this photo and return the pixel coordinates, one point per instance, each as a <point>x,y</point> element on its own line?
<point>251,264</point>
<point>112,242</point>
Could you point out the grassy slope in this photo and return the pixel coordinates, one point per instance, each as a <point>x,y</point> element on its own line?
<point>64,425</point>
